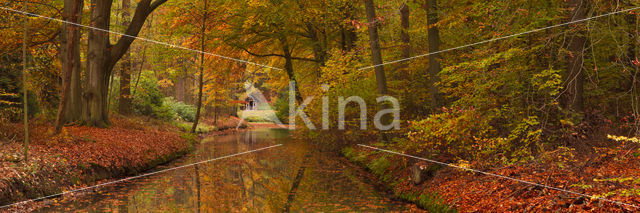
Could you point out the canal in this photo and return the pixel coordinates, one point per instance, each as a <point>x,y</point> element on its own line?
<point>295,177</point>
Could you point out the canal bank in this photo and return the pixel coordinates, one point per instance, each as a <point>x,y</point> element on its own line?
<point>392,173</point>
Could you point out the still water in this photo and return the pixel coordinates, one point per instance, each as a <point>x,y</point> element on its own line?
<point>293,177</point>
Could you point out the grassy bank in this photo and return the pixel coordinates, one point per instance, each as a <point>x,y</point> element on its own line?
<point>209,125</point>
<point>392,172</point>
<point>82,156</point>
<point>609,173</point>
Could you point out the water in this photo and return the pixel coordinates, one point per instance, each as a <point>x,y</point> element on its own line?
<point>293,177</point>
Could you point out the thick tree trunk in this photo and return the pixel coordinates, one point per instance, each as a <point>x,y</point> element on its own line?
<point>95,96</point>
<point>102,56</point>
<point>69,59</point>
<point>374,42</point>
<point>434,58</point>
<point>73,108</point>
<point>574,81</point>
<point>124,105</point>
<point>200,80</point>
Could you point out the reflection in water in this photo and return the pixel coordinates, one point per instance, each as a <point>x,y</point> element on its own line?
<point>256,182</point>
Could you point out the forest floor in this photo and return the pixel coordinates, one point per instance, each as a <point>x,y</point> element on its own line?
<point>609,173</point>
<point>84,156</point>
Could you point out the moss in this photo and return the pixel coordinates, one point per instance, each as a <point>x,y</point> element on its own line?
<point>433,203</point>
<point>191,139</point>
<point>355,156</point>
<point>348,153</point>
<point>379,165</point>
<point>411,197</point>
<point>186,127</point>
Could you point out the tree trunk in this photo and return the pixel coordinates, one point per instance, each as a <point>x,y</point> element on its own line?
<point>200,80</point>
<point>404,31</point>
<point>632,20</point>
<point>403,72</point>
<point>574,81</point>
<point>288,66</point>
<point>376,56</point>
<point>102,56</point>
<point>73,108</point>
<point>434,57</point>
<point>124,105</point>
<point>374,42</point>
<point>95,96</point>
<point>70,31</point>
<point>319,52</point>
<point>25,109</point>
<point>349,36</point>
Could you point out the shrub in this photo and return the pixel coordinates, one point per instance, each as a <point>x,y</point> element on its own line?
<point>282,107</point>
<point>163,112</point>
<point>186,112</point>
<point>467,134</point>
<point>149,101</point>
<point>460,133</point>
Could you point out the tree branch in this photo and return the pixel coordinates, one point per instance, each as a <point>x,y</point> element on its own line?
<point>276,55</point>
<point>144,8</point>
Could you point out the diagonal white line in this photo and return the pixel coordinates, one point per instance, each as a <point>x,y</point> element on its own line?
<point>499,38</point>
<point>502,176</point>
<point>139,38</point>
<point>139,176</point>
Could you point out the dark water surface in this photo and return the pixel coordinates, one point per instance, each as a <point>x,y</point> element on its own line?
<point>292,177</point>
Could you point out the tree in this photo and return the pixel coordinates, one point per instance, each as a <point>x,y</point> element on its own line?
<point>434,56</point>
<point>404,31</point>
<point>374,42</point>
<point>102,56</point>
<point>348,35</point>
<point>24,86</point>
<point>124,105</point>
<point>203,31</point>
<point>71,42</point>
<point>70,58</point>
<point>574,80</point>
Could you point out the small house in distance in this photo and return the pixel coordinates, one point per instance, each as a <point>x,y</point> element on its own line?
<point>253,99</point>
<point>255,106</point>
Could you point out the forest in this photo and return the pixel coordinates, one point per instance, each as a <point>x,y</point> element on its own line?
<point>448,106</point>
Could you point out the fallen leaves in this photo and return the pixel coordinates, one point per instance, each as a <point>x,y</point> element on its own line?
<point>610,173</point>
<point>72,157</point>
